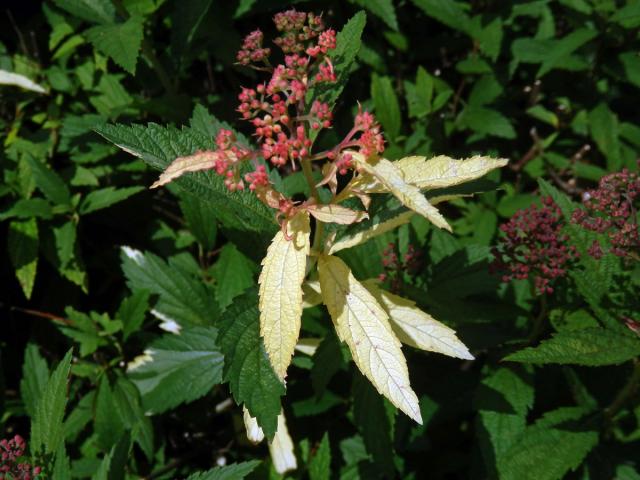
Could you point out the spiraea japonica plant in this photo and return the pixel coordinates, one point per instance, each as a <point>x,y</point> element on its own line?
<point>351,194</point>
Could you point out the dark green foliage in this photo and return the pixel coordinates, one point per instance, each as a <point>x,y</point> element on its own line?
<point>130,320</point>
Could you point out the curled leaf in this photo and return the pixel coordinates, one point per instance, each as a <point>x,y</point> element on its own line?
<point>443,171</point>
<point>409,195</point>
<point>416,328</point>
<point>281,448</point>
<point>363,325</point>
<point>336,214</point>
<point>283,271</point>
<point>254,432</point>
<point>204,160</point>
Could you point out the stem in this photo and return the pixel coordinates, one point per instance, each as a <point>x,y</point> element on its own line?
<point>625,393</point>
<point>308,174</point>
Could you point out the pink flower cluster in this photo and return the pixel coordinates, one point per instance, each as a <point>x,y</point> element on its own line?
<point>284,121</point>
<point>533,246</point>
<point>11,451</point>
<point>612,209</point>
<point>395,267</point>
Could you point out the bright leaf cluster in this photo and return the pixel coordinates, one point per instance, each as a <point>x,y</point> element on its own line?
<point>286,119</point>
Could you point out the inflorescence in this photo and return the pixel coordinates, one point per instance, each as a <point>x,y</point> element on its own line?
<point>285,121</point>
<point>533,246</point>
<point>11,466</point>
<point>611,210</point>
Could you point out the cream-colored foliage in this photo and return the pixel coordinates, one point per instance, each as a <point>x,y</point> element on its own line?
<point>308,346</point>
<point>191,163</point>
<point>375,230</point>
<point>336,214</point>
<point>281,448</point>
<point>364,326</point>
<point>17,80</point>
<point>391,177</point>
<point>443,171</point>
<point>254,432</point>
<point>283,271</point>
<point>417,328</point>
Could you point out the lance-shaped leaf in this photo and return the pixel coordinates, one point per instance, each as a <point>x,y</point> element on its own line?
<point>281,448</point>
<point>204,160</point>
<point>364,326</point>
<point>443,171</point>
<point>391,177</point>
<point>283,271</point>
<point>336,214</point>
<point>374,230</point>
<point>416,328</point>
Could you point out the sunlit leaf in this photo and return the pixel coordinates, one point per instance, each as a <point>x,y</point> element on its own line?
<point>364,326</point>
<point>283,270</point>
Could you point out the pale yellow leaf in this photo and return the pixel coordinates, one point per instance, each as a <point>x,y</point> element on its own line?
<point>443,171</point>
<point>311,294</point>
<point>364,326</point>
<point>283,271</point>
<point>375,230</point>
<point>17,80</point>
<point>204,160</point>
<point>281,448</point>
<point>308,346</point>
<point>254,432</point>
<point>336,214</point>
<point>410,196</point>
<point>417,328</point>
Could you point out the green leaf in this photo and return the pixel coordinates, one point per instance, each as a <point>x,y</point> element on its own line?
<point>375,419</point>
<point>62,465</point>
<point>105,197</point>
<point>132,312</point>
<point>158,146</point>
<point>503,400</point>
<point>551,53</point>
<point>246,365</point>
<point>35,375</point>
<point>65,240</point>
<point>98,11</point>
<point>603,124</point>
<point>386,105</point>
<point>201,220</point>
<point>47,430</point>
<point>49,182</point>
<point>420,95</point>
<point>487,121</point>
<point>383,9</point>
<point>120,41</point>
<point>343,57</point>
<point>128,405</point>
<point>108,425</point>
<point>590,346</point>
<point>547,453</point>
<point>234,274</point>
<point>235,471</point>
<point>22,245</point>
<point>178,369</point>
<point>448,12</point>
<point>631,63</point>
<point>27,208</point>
<point>320,463</point>
<point>183,298</point>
